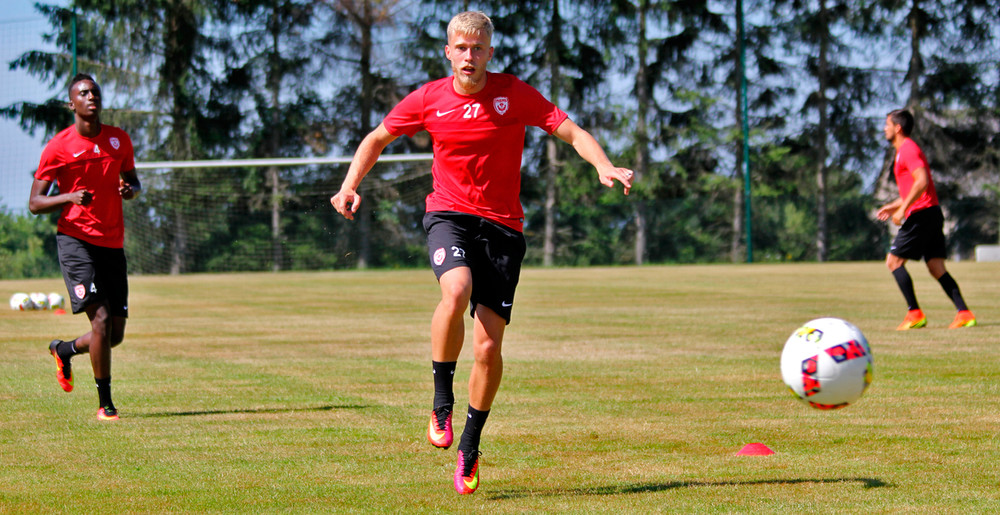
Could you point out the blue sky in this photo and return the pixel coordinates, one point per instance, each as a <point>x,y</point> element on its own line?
<point>21,29</point>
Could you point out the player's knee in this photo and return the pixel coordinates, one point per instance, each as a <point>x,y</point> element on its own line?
<point>936,268</point>
<point>100,324</point>
<point>456,294</point>
<point>117,330</point>
<point>488,352</point>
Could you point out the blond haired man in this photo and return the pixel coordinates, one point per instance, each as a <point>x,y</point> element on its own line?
<point>474,218</point>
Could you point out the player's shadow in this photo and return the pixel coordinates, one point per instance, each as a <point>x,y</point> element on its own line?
<point>865,482</point>
<point>249,411</point>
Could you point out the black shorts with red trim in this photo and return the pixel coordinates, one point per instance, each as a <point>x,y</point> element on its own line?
<point>492,251</point>
<point>93,274</point>
<point>921,236</point>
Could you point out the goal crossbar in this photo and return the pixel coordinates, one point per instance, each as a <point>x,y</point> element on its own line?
<point>278,161</point>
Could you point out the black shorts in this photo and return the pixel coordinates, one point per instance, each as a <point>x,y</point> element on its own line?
<point>93,274</point>
<point>493,252</point>
<point>921,236</point>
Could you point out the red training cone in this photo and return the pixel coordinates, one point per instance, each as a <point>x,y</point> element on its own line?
<point>755,449</point>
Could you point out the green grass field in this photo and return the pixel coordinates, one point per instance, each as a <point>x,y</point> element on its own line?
<point>625,390</point>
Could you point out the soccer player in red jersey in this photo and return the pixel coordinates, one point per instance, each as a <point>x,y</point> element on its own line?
<point>921,234</point>
<point>93,167</point>
<point>474,218</point>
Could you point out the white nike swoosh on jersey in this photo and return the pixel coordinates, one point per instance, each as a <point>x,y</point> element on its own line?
<point>506,304</point>
<point>440,114</point>
<point>79,153</point>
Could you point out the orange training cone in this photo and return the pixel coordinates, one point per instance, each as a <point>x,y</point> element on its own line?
<point>755,449</point>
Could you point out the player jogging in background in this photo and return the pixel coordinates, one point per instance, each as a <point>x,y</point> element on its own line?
<point>93,168</point>
<point>922,233</point>
<point>474,218</point>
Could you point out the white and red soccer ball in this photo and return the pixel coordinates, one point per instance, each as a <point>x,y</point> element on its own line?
<point>21,302</point>
<point>827,363</point>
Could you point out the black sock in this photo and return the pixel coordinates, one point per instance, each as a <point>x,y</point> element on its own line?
<point>444,379</point>
<point>906,286</point>
<point>951,288</point>
<point>66,350</point>
<point>473,430</point>
<point>104,392</point>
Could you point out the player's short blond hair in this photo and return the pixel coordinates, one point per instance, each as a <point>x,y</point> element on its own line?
<point>473,23</point>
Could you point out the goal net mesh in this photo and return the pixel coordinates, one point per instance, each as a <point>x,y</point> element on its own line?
<point>259,215</point>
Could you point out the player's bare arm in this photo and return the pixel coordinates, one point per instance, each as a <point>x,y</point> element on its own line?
<point>896,210</point>
<point>920,183</point>
<point>347,200</point>
<point>886,211</point>
<point>590,150</point>
<point>39,202</point>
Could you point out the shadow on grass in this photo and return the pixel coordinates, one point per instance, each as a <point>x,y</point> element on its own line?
<point>865,482</point>
<point>250,411</point>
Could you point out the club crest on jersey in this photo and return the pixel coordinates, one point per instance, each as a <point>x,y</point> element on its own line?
<point>439,255</point>
<point>114,143</point>
<point>501,104</point>
<point>80,291</point>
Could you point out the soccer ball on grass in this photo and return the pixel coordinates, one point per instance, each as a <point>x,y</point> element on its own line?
<point>21,302</point>
<point>827,363</point>
<point>56,301</point>
<point>40,300</point>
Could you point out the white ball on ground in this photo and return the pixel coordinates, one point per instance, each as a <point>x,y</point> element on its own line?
<point>20,302</point>
<point>56,301</point>
<point>40,300</point>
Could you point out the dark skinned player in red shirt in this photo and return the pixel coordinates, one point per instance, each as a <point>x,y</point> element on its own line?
<point>93,167</point>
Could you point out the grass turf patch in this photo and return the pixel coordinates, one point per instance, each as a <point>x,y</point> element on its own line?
<point>625,389</point>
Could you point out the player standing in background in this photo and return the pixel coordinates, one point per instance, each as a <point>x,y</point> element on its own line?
<point>922,233</point>
<point>474,218</point>
<point>93,167</point>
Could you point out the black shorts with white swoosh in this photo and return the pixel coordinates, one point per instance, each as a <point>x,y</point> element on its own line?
<point>493,253</point>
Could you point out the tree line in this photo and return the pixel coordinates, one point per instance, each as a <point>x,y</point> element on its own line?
<point>659,82</point>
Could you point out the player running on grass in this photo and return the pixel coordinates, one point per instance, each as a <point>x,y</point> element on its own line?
<point>474,218</point>
<point>93,167</point>
<point>921,234</point>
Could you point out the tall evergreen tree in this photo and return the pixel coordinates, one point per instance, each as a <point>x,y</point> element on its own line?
<point>272,46</point>
<point>836,94</point>
<point>663,45</point>
<point>353,35</point>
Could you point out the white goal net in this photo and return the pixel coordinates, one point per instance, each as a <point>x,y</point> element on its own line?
<point>274,214</point>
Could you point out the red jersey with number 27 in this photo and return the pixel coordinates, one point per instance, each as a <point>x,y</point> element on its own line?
<point>909,157</point>
<point>74,162</point>
<point>478,142</point>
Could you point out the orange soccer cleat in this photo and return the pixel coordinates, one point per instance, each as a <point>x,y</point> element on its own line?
<point>915,319</point>
<point>963,318</point>
<point>64,374</point>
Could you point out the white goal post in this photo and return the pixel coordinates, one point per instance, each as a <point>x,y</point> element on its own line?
<point>278,161</point>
